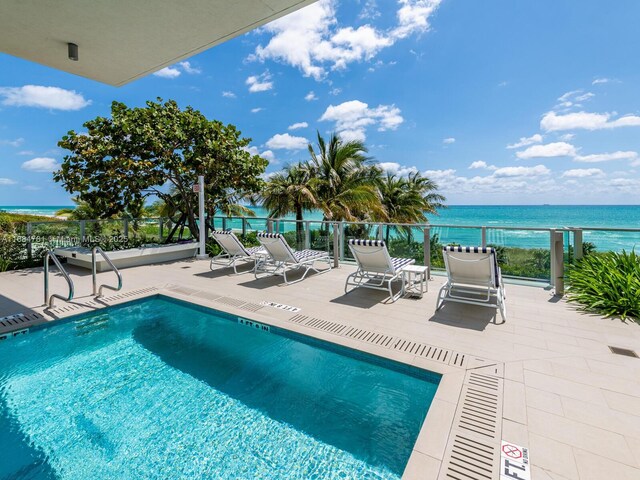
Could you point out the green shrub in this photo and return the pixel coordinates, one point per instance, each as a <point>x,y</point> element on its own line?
<point>607,283</point>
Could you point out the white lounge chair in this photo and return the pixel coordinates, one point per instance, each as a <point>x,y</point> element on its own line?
<point>232,250</point>
<point>283,259</point>
<point>375,267</point>
<point>473,277</point>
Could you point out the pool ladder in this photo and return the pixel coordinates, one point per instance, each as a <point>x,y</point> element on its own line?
<point>97,290</point>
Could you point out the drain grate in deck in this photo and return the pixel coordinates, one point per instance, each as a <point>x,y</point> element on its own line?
<point>183,290</point>
<point>473,449</point>
<point>623,351</point>
<point>19,321</point>
<point>251,307</point>
<point>207,295</point>
<point>471,459</point>
<point>234,302</point>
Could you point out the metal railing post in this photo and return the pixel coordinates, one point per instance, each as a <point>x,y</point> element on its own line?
<point>125,228</point>
<point>244,227</point>
<point>484,236</point>
<point>278,225</point>
<point>29,242</point>
<point>380,228</point>
<point>341,244</point>
<point>558,263</point>
<point>307,234</point>
<point>224,224</point>
<point>577,243</point>
<point>552,256</point>
<point>336,245</point>
<point>427,250</point>
<point>160,229</point>
<point>269,226</point>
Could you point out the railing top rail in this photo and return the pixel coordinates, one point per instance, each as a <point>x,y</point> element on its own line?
<point>310,221</point>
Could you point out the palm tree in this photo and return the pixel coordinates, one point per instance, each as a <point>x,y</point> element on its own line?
<point>408,200</point>
<point>343,180</point>
<point>290,192</point>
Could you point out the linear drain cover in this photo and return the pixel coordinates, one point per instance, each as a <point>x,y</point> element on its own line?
<point>623,351</point>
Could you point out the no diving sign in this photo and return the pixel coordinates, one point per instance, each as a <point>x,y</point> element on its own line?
<point>514,462</point>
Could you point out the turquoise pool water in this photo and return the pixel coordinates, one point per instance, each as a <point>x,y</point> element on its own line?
<point>164,389</point>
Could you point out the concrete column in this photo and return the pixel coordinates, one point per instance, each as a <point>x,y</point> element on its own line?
<point>337,241</point>
<point>307,234</point>
<point>201,227</point>
<point>577,243</point>
<point>427,250</point>
<point>558,262</point>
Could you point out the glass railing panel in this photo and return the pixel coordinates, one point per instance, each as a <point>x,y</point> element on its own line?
<point>610,240</point>
<point>363,231</point>
<point>405,241</point>
<point>522,253</point>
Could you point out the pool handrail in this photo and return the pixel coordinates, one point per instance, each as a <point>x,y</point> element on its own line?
<point>97,291</point>
<point>49,299</point>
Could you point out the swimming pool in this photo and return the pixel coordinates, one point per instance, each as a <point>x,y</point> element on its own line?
<point>160,388</point>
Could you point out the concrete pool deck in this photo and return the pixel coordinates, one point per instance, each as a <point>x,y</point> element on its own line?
<point>545,379</point>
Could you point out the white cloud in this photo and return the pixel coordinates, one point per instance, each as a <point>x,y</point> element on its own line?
<point>482,164</point>
<point>600,80</point>
<point>13,143</point>
<point>605,157</point>
<point>7,181</point>
<point>43,97</point>
<point>370,10</point>
<point>552,122</point>
<point>168,72</point>
<point>584,97</point>
<point>396,169</point>
<point>190,69</point>
<point>256,110</point>
<point>583,172</point>
<point>567,137</point>
<point>298,125</point>
<point>413,17</point>
<point>536,171</point>
<point>353,117</point>
<point>335,91</point>
<point>311,40</point>
<point>309,97</point>
<point>267,154</point>
<point>259,83</point>
<point>526,141</point>
<point>556,149</point>
<point>448,141</point>
<point>228,94</point>
<point>41,164</point>
<point>176,70</point>
<point>285,141</point>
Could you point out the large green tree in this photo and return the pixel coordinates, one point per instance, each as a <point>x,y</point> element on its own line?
<point>408,199</point>
<point>158,150</point>
<point>290,191</point>
<point>344,180</point>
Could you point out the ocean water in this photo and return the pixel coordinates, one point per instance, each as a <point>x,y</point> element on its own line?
<point>493,217</point>
<point>162,389</point>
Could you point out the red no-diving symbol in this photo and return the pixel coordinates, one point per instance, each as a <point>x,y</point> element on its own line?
<point>512,451</point>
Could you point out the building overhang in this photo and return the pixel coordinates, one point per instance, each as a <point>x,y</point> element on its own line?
<point>122,40</point>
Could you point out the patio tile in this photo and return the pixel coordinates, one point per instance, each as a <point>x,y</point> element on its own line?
<point>545,401</point>
<point>594,467</point>
<point>553,457</point>
<point>576,434</point>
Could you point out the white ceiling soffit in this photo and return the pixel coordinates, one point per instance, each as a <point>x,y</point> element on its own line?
<point>122,40</point>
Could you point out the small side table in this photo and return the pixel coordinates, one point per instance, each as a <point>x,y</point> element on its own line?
<point>414,280</point>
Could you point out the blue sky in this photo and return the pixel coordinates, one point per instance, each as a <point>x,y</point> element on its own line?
<point>500,102</point>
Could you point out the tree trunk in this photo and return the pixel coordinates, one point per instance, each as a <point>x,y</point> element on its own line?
<point>299,228</point>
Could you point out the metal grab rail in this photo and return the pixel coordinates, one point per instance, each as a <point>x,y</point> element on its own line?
<point>98,291</point>
<point>49,299</point>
